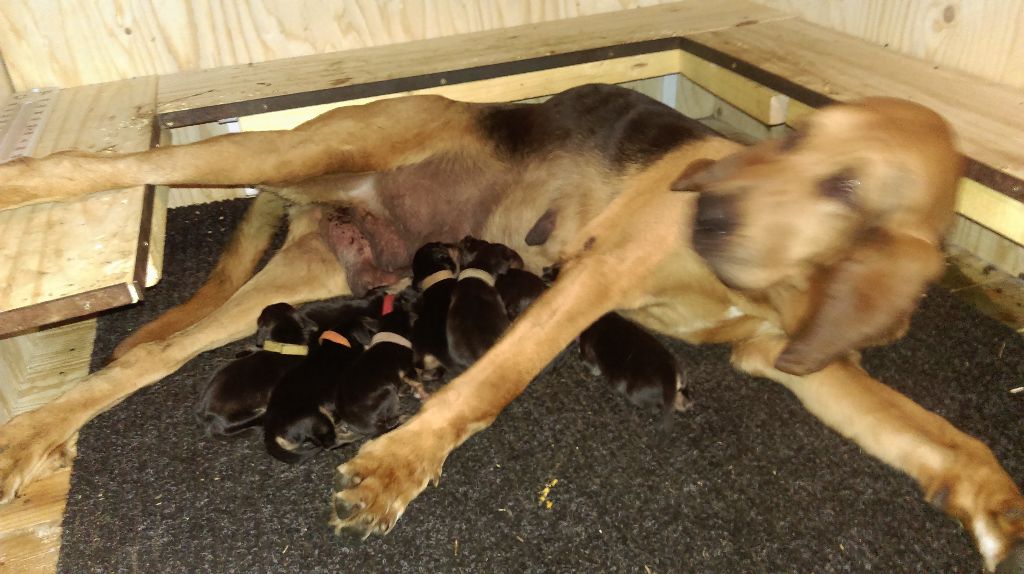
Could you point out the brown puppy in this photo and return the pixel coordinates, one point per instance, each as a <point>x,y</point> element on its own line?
<point>831,237</point>
<point>636,364</point>
<point>477,316</point>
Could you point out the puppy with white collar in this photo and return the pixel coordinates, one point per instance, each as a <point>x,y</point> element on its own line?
<point>366,402</point>
<point>477,317</point>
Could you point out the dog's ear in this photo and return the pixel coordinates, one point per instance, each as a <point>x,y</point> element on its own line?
<point>699,173</point>
<point>864,299</point>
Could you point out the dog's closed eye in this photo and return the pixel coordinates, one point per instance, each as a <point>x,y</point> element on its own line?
<point>841,186</point>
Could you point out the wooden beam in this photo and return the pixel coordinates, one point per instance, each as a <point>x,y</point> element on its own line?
<point>763,104</point>
<point>64,260</point>
<point>992,209</point>
<point>207,95</point>
<point>505,88</point>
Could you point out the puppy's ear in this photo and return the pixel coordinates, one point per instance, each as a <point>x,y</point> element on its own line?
<point>865,298</point>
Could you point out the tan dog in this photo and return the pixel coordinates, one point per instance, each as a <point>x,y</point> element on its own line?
<point>798,252</point>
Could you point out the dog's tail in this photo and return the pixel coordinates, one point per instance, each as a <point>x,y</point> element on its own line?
<point>237,264</point>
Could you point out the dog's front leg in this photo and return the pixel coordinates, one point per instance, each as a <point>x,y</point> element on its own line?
<point>957,473</point>
<point>373,489</point>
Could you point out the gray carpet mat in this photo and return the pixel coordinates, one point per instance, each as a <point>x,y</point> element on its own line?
<point>745,482</point>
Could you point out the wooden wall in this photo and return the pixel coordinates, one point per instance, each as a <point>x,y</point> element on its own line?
<point>982,37</point>
<point>74,42</point>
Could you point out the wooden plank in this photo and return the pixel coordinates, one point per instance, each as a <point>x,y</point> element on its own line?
<point>265,87</point>
<point>58,261</point>
<point>995,249</point>
<point>992,209</point>
<point>41,504</point>
<point>77,42</point>
<point>505,88</point>
<point>980,37</point>
<point>987,116</point>
<point>30,551</point>
<point>763,104</point>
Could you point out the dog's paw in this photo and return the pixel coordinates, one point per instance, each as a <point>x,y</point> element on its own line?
<point>27,453</point>
<point>989,505</point>
<point>372,490</point>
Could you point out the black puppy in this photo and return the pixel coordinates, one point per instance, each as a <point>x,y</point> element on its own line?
<point>635,363</point>
<point>433,273</point>
<point>477,316</point>
<point>518,288</point>
<point>366,402</point>
<point>300,419</point>
<point>235,399</point>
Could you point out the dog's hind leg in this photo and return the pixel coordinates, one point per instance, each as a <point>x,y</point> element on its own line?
<point>373,137</point>
<point>304,270</point>
<point>957,473</point>
<point>237,263</point>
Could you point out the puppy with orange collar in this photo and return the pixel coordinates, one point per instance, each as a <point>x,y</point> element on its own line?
<point>300,419</point>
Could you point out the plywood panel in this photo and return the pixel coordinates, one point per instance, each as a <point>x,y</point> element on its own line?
<point>845,68</point>
<point>981,37</point>
<point>507,88</point>
<point>51,252</point>
<point>74,42</point>
<point>204,88</point>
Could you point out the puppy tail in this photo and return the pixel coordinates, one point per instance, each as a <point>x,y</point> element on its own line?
<point>237,264</point>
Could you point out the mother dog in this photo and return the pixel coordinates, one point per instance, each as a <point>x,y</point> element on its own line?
<point>799,252</point>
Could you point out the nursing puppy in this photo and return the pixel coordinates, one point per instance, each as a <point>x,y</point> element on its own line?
<point>517,289</point>
<point>236,398</point>
<point>433,273</point>
<point>300,419</point>
<point>366,403</point>
<point>477,316</point>
<point>636,364</point>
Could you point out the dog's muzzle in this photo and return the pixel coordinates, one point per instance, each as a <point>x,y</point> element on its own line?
<point>714,222</point>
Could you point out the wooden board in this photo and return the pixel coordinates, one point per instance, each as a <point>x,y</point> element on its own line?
<point>763,104</point>
<point>506,88</point>
<point>76,42</point>
<point>326,78</point>
<point>980,37</point>
<point>989,118</point>
<point>59,261</point>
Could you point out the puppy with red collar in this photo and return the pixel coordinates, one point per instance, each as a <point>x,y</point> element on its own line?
<point>636,364</point>
<point>434,267</point>
<point>477,317</point>
<point>366,403</point>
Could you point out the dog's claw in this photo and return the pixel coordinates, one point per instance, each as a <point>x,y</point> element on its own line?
<point>373,489</point>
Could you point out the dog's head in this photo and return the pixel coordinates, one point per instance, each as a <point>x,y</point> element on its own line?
<point>850,209</point>
<point>285,324</point>
<point>433,257</point>
<point>494,258</point>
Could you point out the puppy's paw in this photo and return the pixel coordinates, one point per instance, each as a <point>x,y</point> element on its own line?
<point>372,490</point>
<point>757,356</point>
<point>28,452</point>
